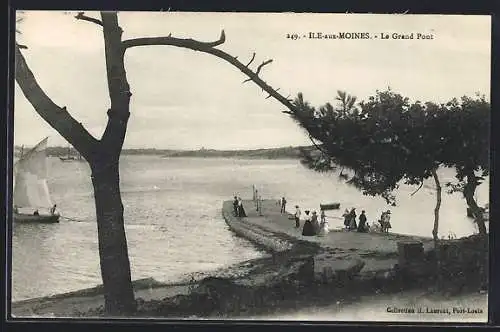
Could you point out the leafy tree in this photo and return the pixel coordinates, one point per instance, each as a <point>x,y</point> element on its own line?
<point>363,140</point>
<point>468,151</point>
<point>389,140</point>
<point>347,102</point>
<point>103,154</point>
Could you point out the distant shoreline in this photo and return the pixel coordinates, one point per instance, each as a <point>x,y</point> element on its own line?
<point>267,153</point>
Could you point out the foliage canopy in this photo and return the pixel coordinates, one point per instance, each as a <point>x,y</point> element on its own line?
<point>387,139</point>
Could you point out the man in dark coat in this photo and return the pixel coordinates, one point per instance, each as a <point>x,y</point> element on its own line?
<point>283,204</point>
<point>235,206</point>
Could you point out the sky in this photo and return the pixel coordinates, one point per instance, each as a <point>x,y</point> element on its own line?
<point>187,100</point>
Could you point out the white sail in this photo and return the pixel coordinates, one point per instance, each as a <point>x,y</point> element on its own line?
<point>30,186</point>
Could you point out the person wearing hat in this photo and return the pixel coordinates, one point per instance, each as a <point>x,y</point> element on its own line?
<point>297,216</point>
<point>362,222</point>
<point>235,206</point>
<point>347,219</point>
<point>352,219</point>
<point>381,221</point>
<point>308,229</point>
<point>283,204</point>
<point>323,228</point>
<point>387,221</point>
<point>315,222</point>
<point>241,209</point>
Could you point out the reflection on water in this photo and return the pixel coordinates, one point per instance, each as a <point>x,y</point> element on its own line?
<point>173,218</point>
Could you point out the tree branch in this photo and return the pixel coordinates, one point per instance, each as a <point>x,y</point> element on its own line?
<point>179,42</point>
<point>262,65</point>
<point>209,47</point>
<point>421,185</point>
<point>57,117</point>
<point>251,60</point>
<point>318,147</point>
<point>81,16</point>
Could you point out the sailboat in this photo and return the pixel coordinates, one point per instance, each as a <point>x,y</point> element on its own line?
<point>32,201</point>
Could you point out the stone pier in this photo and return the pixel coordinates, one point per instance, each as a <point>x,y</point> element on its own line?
<point>338,253</point>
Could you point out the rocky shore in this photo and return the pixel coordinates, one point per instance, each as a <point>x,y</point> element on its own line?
<point>298,272</point>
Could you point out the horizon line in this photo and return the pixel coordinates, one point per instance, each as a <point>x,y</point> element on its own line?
<point>180,149</point>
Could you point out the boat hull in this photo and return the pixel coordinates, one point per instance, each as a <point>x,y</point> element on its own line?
<point>67,159</point>
<point>41,219</point>
<point>332,206</point>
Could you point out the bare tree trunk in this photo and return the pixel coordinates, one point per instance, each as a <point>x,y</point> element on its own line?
<point>435,229</point>
<point>113,252</point>
<point>469,190</point>
<point>436,209</point>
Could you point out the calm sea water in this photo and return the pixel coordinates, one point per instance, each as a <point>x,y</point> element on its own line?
<point>173,217</point>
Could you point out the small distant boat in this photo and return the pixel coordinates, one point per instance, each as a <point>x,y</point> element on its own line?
<point>331,206</point>
<point>41,219</point>
<point>69,157</point>
<point>31,192</point>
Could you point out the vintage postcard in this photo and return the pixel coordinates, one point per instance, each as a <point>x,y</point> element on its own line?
<point>251,166</point>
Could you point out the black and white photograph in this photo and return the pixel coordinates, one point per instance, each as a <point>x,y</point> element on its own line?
<point>250,166</point>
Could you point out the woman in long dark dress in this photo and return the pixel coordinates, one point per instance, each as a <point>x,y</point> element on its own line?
<point>314,221</point>
<point>241,209</point>
<point>362,222</point>
<point>352,219</point>
<point>308,229</point>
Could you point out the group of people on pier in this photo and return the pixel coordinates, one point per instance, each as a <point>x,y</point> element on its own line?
<point>382,225</point>
<point>238,209</point>
<point>312,226</point>
<point>315,224</point>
